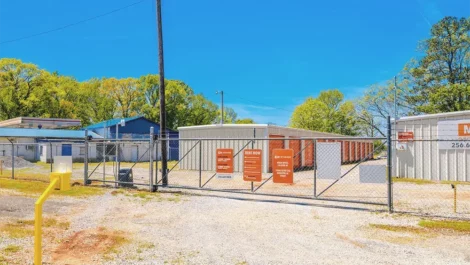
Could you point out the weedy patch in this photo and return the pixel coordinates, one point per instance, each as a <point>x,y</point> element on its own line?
<point>414,181</point>
<point>25,228</point>
<point>450,225</point>
<point>3,260</point>
<point>37,187</point>
<point>399,228</point>
<point>20,229</point>
<point>10,249</point>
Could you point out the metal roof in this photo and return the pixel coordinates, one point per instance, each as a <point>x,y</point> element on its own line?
<point>436,115</point>
<point>49,123</point>
<point>112,122</point>
<point>45,133</point>
<point>218,126</point>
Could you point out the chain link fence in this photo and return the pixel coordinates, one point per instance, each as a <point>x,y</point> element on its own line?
<point>429,175</point>
<point>431,168</point>
<point>337,169</point>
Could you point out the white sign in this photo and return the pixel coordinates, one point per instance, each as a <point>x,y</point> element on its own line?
<point>456,134</point>
<point>224,176</point>
<point>329,160</point>
<point>372,173</point>
<point>401,146</point>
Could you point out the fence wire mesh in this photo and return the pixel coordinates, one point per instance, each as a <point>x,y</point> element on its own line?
<point>197,168</point>
<point>431,167</point>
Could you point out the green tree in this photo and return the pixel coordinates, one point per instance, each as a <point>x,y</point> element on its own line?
<point>21,86</point>
<point>245,121</point>
<point>183,107</point>
<point>441,78</point>
<point>230,116</point>
<point>126,95</point>
<point>201,111</point>
<point>327,113</point>
<point>95,105</point>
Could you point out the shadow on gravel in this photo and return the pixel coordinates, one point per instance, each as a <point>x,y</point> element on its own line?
<point>288,201</point>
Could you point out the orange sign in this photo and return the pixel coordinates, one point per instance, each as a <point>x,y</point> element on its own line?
<point>252,165</point>
<point>224,163</point>
<point>283,166</point>
<point>405,136</point>
<point>464,129</point>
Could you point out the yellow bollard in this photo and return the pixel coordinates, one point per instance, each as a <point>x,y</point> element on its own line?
<point>58,181</point>
<point>38,222</point>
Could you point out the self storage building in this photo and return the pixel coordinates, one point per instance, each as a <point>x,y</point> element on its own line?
<point>260,136</point>
<point>432,147</point>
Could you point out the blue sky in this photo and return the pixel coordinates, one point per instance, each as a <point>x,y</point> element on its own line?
<point>258,51</point>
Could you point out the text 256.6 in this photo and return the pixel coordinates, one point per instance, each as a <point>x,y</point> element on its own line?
<point>460,145</point>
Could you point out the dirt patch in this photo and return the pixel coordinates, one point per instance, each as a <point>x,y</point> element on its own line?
<point>88,245</point>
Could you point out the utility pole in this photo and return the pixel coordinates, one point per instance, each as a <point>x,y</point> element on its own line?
<point>395,98</point>
<point>222,99</point>
<point>162,94</point>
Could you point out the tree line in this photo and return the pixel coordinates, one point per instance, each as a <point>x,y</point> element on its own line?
<point>438,81</point>
<point>27,90</point>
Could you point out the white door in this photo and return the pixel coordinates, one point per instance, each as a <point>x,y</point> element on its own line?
<point>134,153</point>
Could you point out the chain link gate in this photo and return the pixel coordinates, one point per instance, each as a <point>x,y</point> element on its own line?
<point>360,178</point>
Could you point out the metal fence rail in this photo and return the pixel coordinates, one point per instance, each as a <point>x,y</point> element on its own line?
<point>425,175</point>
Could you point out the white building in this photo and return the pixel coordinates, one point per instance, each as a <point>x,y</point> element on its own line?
<point>438,149</point>
<point>352,150</point>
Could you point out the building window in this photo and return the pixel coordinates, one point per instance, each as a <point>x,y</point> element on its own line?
<point>82,150</point>
<point>41,150</point>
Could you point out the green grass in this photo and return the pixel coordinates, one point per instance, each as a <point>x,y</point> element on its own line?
<point>17,230</point>
<point>3,260</point>
<point>415,181</point>
<point>455,182</point>
<point>36,188</point>
<point>458,226</point>
<point>426,181</point>
<point>398,228</point>
<point>11,249</point>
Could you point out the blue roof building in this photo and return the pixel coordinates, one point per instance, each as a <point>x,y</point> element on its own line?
<point>137,127</point>
<point>134,128</point>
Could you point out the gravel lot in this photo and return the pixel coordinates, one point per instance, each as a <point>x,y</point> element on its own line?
<point>128,227</point>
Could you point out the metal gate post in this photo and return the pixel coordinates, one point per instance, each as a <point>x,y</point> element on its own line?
<point>12,160</point>
<point>151,160</point>
<point>315,168</point>
<point>200,163</point>
<point>50,155</point>
<point>156,164</point>
<point>85,173</point>
<point>389,165</point>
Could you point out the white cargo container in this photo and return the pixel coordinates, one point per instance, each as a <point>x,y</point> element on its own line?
<point>231,133</point>
<point>426,157</point>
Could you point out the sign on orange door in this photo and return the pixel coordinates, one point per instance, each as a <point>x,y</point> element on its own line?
<point>224,163</point>
<point>283,166</point>
<point>252,165</point>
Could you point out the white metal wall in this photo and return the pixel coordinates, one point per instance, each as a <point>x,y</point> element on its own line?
<point>423,159</point>
<point>191,161</point>
<point>208,147</point>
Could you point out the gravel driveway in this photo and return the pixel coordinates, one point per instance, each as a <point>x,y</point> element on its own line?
<point>221,228</point>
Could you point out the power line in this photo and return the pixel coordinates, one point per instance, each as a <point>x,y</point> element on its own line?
<point>72,24</point>
<point>262,104</point>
